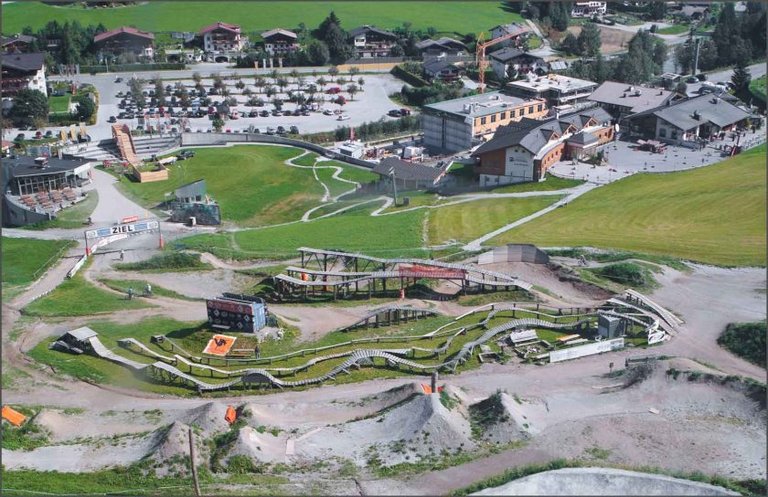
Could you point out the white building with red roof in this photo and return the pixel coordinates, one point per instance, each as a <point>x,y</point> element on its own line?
<point>125,40</point>
<point>222,37</point>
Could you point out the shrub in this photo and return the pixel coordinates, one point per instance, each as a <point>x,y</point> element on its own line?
<point>625,273</point>
<point>169,261</point>
<point>746,340</point>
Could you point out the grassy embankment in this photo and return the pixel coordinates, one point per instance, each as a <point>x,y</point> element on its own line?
<point>25,259</point>
<point>714,214</point>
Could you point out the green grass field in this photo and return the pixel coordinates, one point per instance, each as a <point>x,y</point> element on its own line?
<point>757,87</point>
<point>715,214</point>
<point>261,16</point>
<point>25,259</point>
<point>551,183</point>
<point>467,221</point>
<point>675,29</point>
<point>251,184</point>
<point>357,231</point>
<point>77,297</point>
<point>59,105</point>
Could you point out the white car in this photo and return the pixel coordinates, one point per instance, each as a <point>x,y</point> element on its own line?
<point>328,112</point>
<point>342,117</point>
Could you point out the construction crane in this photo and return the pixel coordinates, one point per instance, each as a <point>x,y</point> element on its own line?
<point>480,60</point>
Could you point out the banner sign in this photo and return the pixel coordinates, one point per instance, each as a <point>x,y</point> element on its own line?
<point>122,229</point>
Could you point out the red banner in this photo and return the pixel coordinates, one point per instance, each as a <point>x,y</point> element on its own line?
<point>129,219</point>
<point>233,307</point>
<point>417,271</point>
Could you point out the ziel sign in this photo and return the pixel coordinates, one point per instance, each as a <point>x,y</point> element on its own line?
<point>118,229</point>
<point>104,236</point>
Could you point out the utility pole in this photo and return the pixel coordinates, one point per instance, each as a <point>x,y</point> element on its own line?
<point>394,183</point>
<point>192,463</point>
<point>696,56</point>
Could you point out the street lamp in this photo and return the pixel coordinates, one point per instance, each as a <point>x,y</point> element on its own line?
<point>394,183</point>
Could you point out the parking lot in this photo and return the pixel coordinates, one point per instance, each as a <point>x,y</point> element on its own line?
<point>624,158</point>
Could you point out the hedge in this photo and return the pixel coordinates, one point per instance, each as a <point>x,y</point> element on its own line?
<point>408,77</point>
<point>133,67</point>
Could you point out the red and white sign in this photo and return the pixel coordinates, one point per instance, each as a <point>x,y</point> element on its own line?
<point>129,219</point>
<point>233,307</point>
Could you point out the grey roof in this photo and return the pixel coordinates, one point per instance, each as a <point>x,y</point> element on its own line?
<point>23,61</point>
<point>557,82</point>
<point>710,109</point>
<point>488,103</point>
<point>25,166</point>
<point>280,31</point>
<point>443,42</point>
<point>7,40</point>
<point>82,334</point>
<point>434,66</point>
<point>583,138</point>
<point>191,189</point>
<point>533,134</point>
<point>510,53</point>
<point>407,170</point>
<point>625,95</point>
<point>514,28</point>
<point>372,29</point>
<point>558,65</point>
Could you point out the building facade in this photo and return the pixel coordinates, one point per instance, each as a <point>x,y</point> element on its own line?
<point>589,9</point>
<point>697,119</point>
<point>510,63</point>
<point>622,100</point>
<point>517,32</point>
<point>23,71</point>
<point>524,151</point>
<point>442,46</point>
<point>222,37</point>
<point>369,41</point>
<point>459,124</point>
<point>17,43</point>
<point>123,41</point>
<point>280,41</point>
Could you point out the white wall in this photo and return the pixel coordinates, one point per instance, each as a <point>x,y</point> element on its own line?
<point>518,164</point>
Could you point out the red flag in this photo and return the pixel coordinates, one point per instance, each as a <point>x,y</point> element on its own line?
<point>351,134</point>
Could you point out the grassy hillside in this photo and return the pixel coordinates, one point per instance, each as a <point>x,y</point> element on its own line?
<point>261,16</point>
<point>24,260</point>
<point>757,87</point>
<point>746,340</point>
<point>715,214</point>
<point>465,222</point>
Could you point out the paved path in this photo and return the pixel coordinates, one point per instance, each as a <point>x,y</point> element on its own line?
<point>576,192</point>
<point>49,281</point>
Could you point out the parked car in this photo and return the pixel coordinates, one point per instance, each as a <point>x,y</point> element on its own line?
<point>20,137</point>
<point>394,113</point>
<point>334,90</point>
<point>270,131</point>
<point>342,117</point>
<point>405,112</point>
<point>253,113</point>
<point>264,113</point>
<point>112,119</point>
<point>277,113</point>
<point>185,154</point>
<point>38,135</point>
<point>48,133</point>
<point>118,79</point>
<point>692,79</point>
<point>280,130</point>
<point>328,112</point>
<point>294,130</point>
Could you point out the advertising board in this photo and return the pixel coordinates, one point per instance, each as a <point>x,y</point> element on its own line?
<point>585,350</point>
<point>137,227</point>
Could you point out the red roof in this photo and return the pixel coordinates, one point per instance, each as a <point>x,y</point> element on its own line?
<point>221,25</point>
<point>125,29</point>
<point>7,144</point>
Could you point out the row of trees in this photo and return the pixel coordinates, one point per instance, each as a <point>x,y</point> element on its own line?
<point>32,107</point>
<point>67,43</point>
<point>644,58</point>
<point>736,38</point>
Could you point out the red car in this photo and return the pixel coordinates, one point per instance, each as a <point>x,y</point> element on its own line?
<point>405,112</point>
<point>333,91</point>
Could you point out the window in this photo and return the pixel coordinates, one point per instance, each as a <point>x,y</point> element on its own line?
<point>493,118</point>
<point>503,115</point>
<point>483,120</point>
<point>674,134</point>
<point>538,107</point>
<point>521,112</point>
<point>663,132</point>
<point>530,109</point>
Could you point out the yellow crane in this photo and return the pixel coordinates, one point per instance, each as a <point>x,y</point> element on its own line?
<point>481,60</point>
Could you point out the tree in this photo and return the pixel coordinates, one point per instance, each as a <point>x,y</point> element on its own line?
<point>352,90</point>
<point>336,40</point>
<point>159,90</point>
<point>589,40</point>
<point>361,81</point>
<point>295,75</point>
<point>333,71</point>
<point>322,82</point>
<point>239,85</point>
<point>340,80</point>
<point>741,78</point>
<point>318,53</point>
<point>28,106</point>
<point>247,92</point>
<point>278,103</point>
<point>570,45</point>
<point>311,90</point>
<point>270,91</point>
<point>657,10</point>
<point>85,108</point>
<point>196,77</point>
<point>259,83</point>
<point>560,16</point>
<point>218,123</point>
<point>321,32</point>
<point>353,71</point>
<point>282,83</point>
